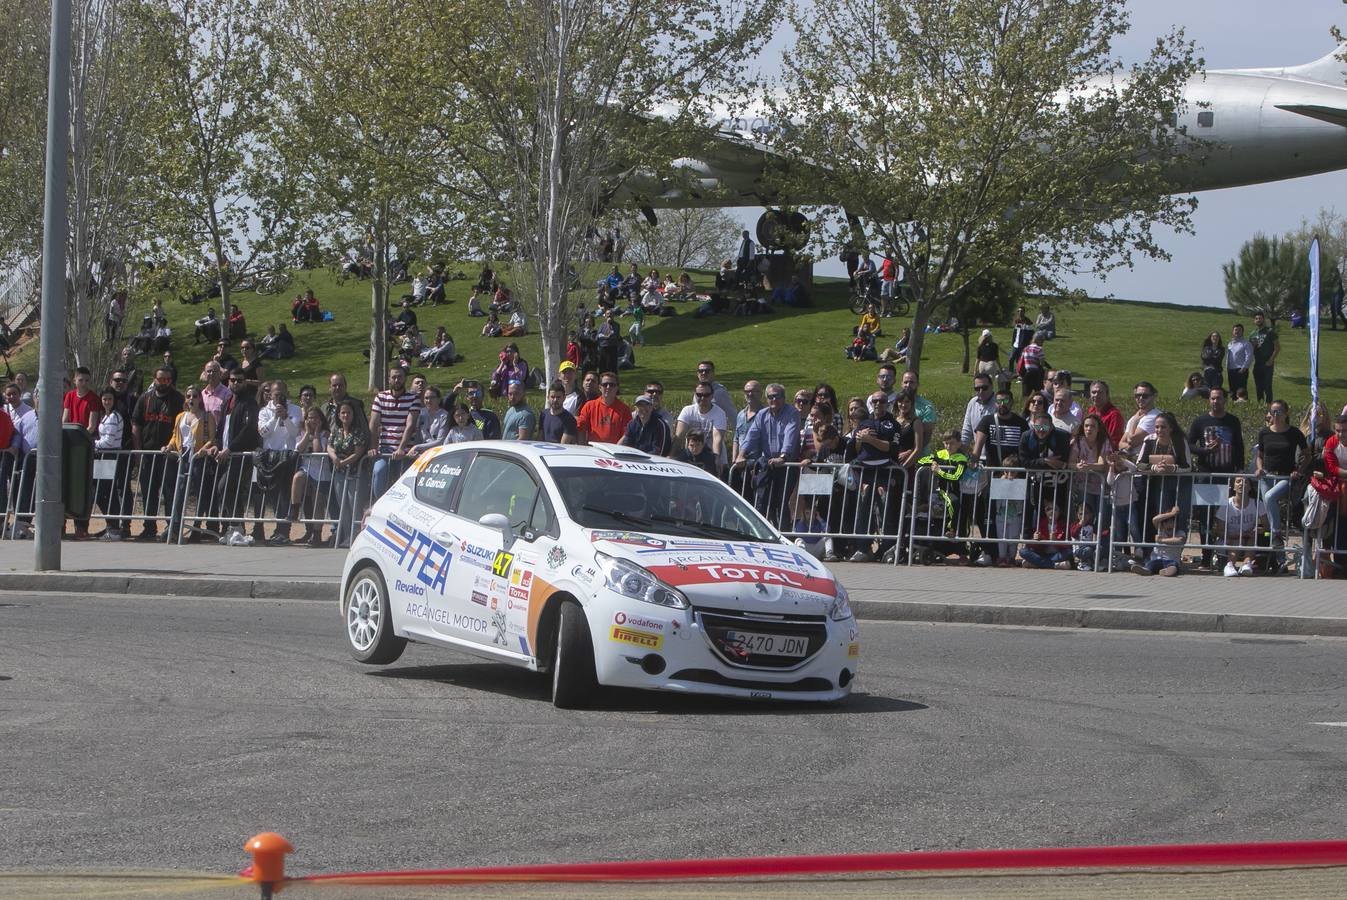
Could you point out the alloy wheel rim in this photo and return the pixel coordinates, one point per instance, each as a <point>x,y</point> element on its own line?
<point>363,614</point>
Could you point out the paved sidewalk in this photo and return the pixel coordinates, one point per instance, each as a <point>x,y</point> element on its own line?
<point>1267,605</point>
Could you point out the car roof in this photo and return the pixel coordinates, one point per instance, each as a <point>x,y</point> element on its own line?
<point>540,451</point>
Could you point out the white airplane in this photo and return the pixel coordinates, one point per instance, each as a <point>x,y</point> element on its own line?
<point>1260,125</point>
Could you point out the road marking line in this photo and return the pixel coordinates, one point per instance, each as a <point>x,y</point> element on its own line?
<point>1331,724</point>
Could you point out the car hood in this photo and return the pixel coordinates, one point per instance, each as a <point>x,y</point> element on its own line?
<point>762,578</point>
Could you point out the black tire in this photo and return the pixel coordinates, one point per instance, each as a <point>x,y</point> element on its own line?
<point>573,678</point>
<point>369,623</point>
<point>900,307</point>
<point>858,302</point>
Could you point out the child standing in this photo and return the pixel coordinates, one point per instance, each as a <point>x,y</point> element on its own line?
<point>1083,539</point>
<point>1008,513</point>
<point>638,319</point>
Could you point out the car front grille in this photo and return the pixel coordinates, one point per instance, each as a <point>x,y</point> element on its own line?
<point>720,626</point>
<point>706,676</point>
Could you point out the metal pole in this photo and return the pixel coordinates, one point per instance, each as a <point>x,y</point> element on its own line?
<point>50,514</point>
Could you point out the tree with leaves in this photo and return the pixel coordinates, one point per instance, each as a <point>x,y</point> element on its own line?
<point>210,118</point>
<point>682,238</point>
<point>365,136</point>
<point>976,135</point>
<point>1270,276</point>
<point>577,105</point>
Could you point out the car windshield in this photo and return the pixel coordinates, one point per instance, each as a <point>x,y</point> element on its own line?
<point>657,503</point>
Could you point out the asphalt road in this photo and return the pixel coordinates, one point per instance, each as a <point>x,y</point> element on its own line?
<point>157,733</point>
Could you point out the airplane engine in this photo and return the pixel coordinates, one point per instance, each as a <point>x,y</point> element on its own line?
<point>778,229</point>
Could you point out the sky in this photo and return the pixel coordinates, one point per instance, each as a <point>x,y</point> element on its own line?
<point>1229,34</point>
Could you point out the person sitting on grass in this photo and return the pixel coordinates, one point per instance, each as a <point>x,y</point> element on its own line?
<point>475,304</point>
<point>512,368</point>
<point>443,352</point>
<point>869,322</point>
<point>492,328</point>
<point>1167,551</point>
<point>518,325</point>
<point>898,352</point>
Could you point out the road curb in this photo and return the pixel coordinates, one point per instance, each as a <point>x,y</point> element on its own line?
<point>1121,619</point>
<point>872,610</point>
<point>170,586</point>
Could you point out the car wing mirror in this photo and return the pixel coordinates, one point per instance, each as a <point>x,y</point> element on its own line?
<point>501,523</point>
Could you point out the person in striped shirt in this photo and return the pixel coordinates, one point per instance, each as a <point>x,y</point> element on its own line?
<point>393,424</point>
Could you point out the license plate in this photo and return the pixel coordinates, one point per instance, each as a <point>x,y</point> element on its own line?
<point>769,644</point>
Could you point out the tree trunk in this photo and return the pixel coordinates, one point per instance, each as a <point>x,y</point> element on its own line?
<point>221,268</point>
<point>921,314</point>
<point>963,330</point>
<point>556,253</point>
<point>378,335</point>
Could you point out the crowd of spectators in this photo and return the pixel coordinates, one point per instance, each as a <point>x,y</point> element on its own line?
<point>325,458</point>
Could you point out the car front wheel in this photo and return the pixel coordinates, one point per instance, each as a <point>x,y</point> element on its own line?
<point>369,626</point>
<point>573,679</point>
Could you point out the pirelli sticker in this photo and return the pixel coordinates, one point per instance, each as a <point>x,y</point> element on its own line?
<point>646,640</point>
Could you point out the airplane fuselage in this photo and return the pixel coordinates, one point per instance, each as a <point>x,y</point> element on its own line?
<point>1255,126</point>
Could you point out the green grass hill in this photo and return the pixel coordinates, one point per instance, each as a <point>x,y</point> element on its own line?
<point>1120,341</point>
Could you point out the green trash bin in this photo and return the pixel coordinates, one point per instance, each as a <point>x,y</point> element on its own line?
<point>77,471</point>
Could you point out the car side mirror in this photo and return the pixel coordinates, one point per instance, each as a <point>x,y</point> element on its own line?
<point>502,524</point>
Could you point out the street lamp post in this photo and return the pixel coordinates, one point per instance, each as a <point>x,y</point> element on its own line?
<point>50,515</point>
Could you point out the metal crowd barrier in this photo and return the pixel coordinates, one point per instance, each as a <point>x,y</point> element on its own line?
<point>996,514</point>
<point>846,506</point>
<point>193,498</point>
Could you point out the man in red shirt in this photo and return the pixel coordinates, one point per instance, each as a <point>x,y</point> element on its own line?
<point>604,418</point>
<point>81,407</point>
<point>1102,406</point>
<point>81,403</point>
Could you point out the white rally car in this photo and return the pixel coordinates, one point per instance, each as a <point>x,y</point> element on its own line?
<point>601,565</point>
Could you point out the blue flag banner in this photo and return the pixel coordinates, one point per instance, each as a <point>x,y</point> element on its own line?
<point>1314,328</point>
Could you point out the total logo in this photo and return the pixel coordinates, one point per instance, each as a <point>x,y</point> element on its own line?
<point>622,618</point>
<point>519,593</point>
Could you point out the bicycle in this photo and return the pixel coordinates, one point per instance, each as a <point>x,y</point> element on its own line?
<point>270,282</point>
<point>897,305</point>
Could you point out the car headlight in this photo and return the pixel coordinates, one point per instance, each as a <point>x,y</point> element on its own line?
<point>630,580</point>
<point>840,610</point>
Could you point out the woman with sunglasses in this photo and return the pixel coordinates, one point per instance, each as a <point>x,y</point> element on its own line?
<point>1281,451</point>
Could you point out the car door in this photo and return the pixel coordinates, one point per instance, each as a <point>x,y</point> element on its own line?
<point>423,586</point>
<point>496,575</point>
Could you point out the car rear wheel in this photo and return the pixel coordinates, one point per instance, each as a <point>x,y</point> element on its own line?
<point>369,625</point>
<point>573,679</point>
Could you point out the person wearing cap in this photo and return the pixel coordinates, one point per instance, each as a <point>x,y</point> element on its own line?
<point>988,356</point>
<point>572,398</point>
<point>485,420</point>
<point>647,431</point>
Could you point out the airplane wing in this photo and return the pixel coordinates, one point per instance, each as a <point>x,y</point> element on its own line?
<point>1331,114</point>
